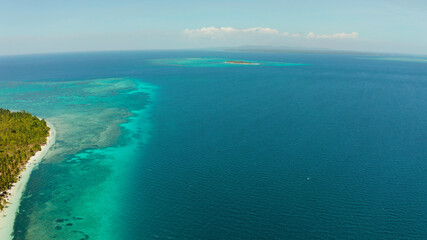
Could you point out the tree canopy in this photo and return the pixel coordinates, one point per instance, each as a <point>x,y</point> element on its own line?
<point>21,136</point>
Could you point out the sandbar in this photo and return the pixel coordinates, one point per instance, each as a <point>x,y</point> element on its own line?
<point>241,62</point>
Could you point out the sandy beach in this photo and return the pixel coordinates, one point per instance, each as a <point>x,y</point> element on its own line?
<point>7,216</point>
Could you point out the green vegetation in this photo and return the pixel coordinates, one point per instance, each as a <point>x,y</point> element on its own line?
<point>21,136</point>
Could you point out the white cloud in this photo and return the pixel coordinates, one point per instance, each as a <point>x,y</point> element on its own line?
<point>212,31</point>
<point>352,35</point>
<point>230,32</point>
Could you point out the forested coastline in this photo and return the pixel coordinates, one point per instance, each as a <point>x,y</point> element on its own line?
<point>21,136</point>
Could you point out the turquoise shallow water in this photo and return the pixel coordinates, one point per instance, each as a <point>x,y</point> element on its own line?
<point>217,62</point>
<point>331,148</point>
<point>101,124</point>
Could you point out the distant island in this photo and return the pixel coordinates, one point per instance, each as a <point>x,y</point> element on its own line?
<point>241,62</point>
<point>22,135</point>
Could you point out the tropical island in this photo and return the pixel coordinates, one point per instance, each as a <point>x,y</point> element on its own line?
<point>22,135</point>
<point>241,62</point>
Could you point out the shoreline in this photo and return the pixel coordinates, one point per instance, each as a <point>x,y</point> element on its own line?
<point>8,215</point>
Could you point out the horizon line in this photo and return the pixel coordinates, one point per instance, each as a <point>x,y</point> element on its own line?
<point>242,49</point>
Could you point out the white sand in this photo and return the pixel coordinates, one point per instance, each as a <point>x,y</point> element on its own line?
<point>7,216</point>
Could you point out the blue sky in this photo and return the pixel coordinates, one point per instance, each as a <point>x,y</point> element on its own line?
<point>62,26</point>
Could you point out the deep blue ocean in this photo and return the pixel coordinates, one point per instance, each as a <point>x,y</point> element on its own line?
<point>177,145</point>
